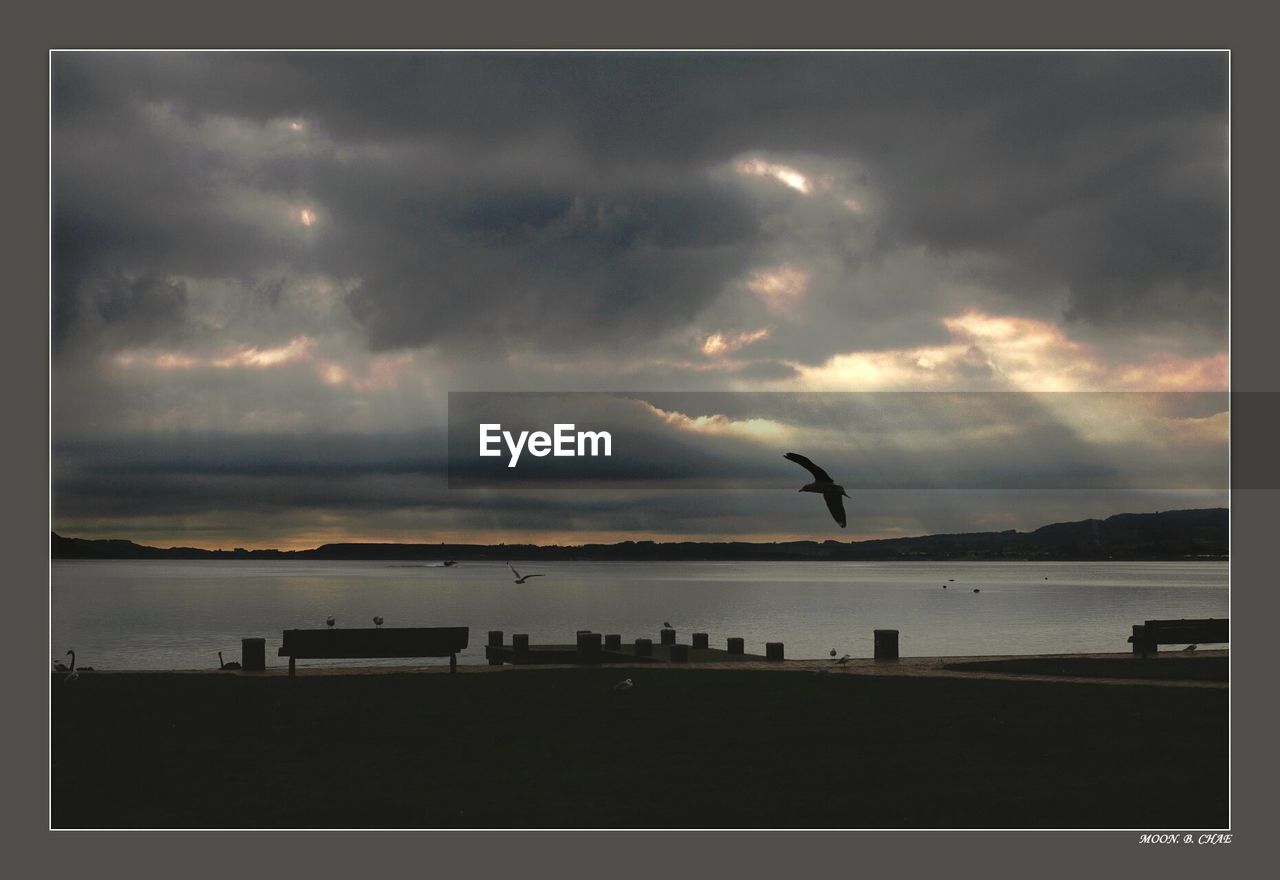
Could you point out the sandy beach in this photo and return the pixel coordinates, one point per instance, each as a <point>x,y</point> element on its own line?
<point>1097,741</point>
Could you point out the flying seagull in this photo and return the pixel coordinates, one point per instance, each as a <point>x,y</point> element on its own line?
<point>823,485</point>
<point>521,578</point>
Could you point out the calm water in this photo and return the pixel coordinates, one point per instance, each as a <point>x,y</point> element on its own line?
<point>178,615</point>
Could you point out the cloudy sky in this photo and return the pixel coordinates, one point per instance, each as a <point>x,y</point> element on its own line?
<point>269,271</point>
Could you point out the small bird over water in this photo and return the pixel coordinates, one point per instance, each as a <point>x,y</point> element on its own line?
<point>521,578</point>
<point>823,485</point>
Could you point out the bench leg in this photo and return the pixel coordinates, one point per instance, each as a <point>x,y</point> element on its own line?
<point>453,663</point>
<point>292,669</point>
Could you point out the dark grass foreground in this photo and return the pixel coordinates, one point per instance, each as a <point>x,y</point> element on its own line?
<point>1159,668</point>
<point>684,748</point>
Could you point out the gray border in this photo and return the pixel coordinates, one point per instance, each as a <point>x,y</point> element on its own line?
<point>993,24</point>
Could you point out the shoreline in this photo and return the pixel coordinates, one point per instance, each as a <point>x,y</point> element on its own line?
<point>914,667</point>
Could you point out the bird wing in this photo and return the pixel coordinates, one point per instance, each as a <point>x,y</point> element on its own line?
<point>812,468</point>
<point>526,577</point>
<point>836,505</point>
<point>513,569</point>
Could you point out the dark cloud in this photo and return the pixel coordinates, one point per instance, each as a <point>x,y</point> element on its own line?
<point>544,220</point>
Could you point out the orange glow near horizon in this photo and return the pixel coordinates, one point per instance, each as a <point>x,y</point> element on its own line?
<point>311,540</point>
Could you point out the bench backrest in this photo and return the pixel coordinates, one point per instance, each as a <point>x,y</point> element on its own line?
<point>1175,632</point>
<point>436,641</point>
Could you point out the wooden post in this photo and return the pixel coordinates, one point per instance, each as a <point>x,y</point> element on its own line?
<point>253,655</point>
<point>588,647</point>
<point>644,647</point>
<point>453,663</point>
<point>520,643</point>
<point>737,646</point>
<point>700,640</point>
<point>668,636</point>
<point>886,641</point>
<point>495,641</point>
<point>292,670</point>
<point>773,650</point>
<point>679,653</point>
<point>612,642</point>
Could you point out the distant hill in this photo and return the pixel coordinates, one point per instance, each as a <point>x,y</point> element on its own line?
<point>1171,534</point>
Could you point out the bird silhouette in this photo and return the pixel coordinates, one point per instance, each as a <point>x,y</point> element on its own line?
<point>72,675</point>
<point>329,622</point>
<point>845,659</point>
<point>667,624</point>
<point>232,665</point>
<point>625,685</point>
<point>521,578</point>
<point>1190,647</point>
<point>833,652</point>
<point>823,485</point>
<point>377,621</point>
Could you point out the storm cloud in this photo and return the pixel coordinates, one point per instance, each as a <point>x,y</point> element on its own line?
<point>255,253</point>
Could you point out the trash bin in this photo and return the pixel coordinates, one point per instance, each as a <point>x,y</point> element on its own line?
<point>886,644</point>
<point>253,654</point>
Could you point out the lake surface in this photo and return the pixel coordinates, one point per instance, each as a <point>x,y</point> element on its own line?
<point>179,614</point>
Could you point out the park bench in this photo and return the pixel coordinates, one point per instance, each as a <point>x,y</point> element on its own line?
<point>333,644</point>
<point>1149,634</point>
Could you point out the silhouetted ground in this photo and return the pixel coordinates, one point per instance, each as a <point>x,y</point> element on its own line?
<point>1158,668</point>
<point>684,748</point>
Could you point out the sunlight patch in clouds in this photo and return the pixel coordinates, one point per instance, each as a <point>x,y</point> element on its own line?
<point>780,288</point>
<point>717,425</point>
<point>721,343</point>
<point>997,352</point>
<point>784,174</point>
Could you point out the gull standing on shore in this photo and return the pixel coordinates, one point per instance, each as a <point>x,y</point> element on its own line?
<point>823,485</point>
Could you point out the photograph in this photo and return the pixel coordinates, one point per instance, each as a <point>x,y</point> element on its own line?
<point>640,439</point>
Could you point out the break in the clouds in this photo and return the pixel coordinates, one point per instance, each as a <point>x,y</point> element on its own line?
<point>255,250</point>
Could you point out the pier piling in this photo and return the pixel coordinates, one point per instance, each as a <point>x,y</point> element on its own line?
<point>886,641</point>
